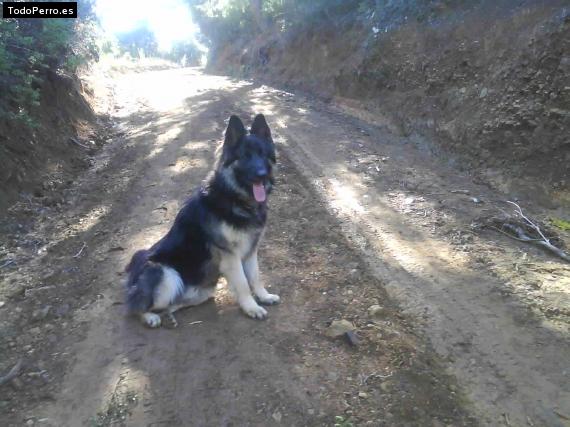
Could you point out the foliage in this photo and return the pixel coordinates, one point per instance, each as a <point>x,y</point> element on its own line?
<point>32,48</point>
<point>560,223</point>
<point>222,21</point>
<point>141,42</point>
<point>138,43</point>
<point>340,421</point>
<point>184,52</point>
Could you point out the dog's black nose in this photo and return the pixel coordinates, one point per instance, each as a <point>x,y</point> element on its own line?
<point>261,173</point>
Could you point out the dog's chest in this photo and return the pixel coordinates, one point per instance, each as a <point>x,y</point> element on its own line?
<point>239,242</point>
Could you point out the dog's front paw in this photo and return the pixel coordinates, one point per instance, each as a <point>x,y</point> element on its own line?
<point>268,299</point>
<point>253,310</point>
<point>152,320</point>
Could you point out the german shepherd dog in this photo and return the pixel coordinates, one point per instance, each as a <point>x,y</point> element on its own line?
<point>216,233</point>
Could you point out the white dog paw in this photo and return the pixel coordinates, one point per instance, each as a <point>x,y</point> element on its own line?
<point>253,310</point>
<point>269,299</point>
<point>152,320</point>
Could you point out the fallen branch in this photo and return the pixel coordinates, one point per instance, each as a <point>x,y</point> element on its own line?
<point>13,373</point>
<point>80,250</point>
<point>7,263</point>
<point>523,229</point>
<point>78,143</point>
<point>364,378</point>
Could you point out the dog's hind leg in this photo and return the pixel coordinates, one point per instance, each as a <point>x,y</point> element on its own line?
<point>140,293</point>
<point>251,270</point>
<point>155,289</point>
<point>193,296</point>
<point>232,269</point>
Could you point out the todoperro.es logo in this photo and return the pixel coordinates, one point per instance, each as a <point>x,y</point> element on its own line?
<point>48,9</point>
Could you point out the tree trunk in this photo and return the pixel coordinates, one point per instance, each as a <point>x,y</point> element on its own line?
<point>256,7</point>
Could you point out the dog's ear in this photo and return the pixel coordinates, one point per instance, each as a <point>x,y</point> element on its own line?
<point>260,128</point>
<point>235,131</point>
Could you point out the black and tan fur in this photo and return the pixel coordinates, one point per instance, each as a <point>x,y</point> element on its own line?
<point>216,233</point>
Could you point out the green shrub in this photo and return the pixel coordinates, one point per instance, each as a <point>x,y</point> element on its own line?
<point>32,48</point>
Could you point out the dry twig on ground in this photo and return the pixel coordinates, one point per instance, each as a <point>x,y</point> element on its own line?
<point>520,227</point>
<point>13,373</point>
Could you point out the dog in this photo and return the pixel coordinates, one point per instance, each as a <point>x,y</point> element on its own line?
<point>216,233</point>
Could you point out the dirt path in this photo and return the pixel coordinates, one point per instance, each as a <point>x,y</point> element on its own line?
<point>360,217</point>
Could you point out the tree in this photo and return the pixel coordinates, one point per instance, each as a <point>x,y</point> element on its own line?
<point>140,40</point>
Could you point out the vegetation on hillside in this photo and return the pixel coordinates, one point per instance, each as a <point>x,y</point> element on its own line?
<point>31,49</point>
<point>222,21</point>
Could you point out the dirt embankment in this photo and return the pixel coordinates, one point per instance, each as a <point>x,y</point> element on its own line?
<point>487,82</point>
<point>36,161</point>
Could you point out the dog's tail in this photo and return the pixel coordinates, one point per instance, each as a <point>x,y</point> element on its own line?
<point>143,276</point>
<point>137,263</point>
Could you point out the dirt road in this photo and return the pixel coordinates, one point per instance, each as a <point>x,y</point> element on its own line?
<point>470,328</point>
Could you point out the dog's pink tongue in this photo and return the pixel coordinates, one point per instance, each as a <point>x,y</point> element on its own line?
<point>259,192</point>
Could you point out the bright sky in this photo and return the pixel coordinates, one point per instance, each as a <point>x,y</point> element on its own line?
<point>170,20</point>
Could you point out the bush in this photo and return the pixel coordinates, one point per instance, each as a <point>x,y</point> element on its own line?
<point>138,43</point>
<point>184,52</point>
<point>222,21</point>
<point>30,49</point>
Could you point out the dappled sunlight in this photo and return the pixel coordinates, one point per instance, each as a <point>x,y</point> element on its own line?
<point>167,94</point>
<point>184,164</point>
<point>168,135</point>
<point>164,138</point>
<point>345,199</point>
<point>412,248</point>
<point>90,219</point>
<point>197,146</point>
<point>347,191</point>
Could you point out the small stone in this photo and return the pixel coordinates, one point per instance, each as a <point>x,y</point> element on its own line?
<point>277,416</point>
<point>363,395</point>
<point>338,328</point>
<point>41,313</point>
<point>62,310</point>
<point>311,411</point>
<point>386,386</point>
<point>483,92</point>
<point>16,383</point>
<point>35,331</point>
<point>2,304</point>
<point>375,310</point>
<point>352,338</point>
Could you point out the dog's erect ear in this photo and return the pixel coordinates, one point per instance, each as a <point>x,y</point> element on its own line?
<point>235,131</point>
<point>260,128</point>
